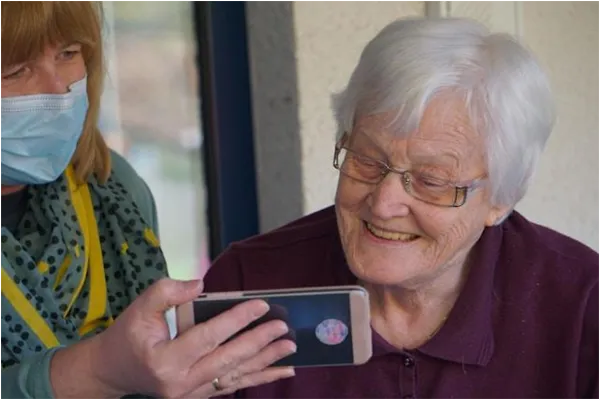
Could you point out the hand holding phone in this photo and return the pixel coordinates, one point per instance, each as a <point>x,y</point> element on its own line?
<point>330,325</point>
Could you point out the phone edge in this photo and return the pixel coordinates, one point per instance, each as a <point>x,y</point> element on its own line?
<point>185,316</point>
<point>362,345</point>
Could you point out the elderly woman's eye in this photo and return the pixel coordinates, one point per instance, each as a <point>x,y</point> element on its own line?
<point>367,162</point>
<point>432,182</point>
<point>363,167</point>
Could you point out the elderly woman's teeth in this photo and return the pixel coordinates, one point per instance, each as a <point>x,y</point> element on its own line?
<point>403,237</point>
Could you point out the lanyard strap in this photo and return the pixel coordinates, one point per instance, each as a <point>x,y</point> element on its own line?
<point>84,208</point>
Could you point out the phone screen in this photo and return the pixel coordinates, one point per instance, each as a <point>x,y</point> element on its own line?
<point>319,325</point>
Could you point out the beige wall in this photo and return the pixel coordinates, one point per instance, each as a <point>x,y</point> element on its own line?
<point>564,196</point>
<point>303,52</point>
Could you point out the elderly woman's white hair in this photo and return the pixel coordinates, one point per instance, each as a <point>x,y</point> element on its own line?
<point>504,88</point>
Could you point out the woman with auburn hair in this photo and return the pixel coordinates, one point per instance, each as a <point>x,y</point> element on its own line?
<point>84,286</point>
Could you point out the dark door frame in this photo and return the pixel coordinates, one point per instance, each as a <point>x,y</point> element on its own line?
<point>226,114</point>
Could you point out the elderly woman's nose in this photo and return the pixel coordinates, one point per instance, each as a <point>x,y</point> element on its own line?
<point>390,199</point>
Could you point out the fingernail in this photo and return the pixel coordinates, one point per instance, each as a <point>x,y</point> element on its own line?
<point>282,328</point>
<point>195,285</point>
<point>278,329</point>
<point>291,373</point>
<point>261,309</point>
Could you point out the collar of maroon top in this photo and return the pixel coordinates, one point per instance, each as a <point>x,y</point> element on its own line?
<point>467,336</point>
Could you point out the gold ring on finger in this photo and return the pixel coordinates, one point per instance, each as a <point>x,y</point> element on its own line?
<point>217,385</point>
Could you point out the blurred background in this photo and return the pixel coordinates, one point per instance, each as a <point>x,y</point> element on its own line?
<point>151,115</point>
<point>224,109</point>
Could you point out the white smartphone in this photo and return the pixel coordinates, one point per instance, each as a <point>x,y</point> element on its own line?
<point>330,325</point>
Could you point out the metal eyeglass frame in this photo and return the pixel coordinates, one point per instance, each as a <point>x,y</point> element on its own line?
<point>461,191</point>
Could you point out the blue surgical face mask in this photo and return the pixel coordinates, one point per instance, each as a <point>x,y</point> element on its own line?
<point>40,133</point>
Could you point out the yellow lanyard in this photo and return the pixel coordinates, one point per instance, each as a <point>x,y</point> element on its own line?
<point>84,208</point>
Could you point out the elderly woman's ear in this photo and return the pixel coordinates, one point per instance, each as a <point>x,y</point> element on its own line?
<point>497,214</point>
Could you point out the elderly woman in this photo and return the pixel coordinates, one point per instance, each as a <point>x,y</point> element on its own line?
<point>440,129</point>
<point>84,286</point>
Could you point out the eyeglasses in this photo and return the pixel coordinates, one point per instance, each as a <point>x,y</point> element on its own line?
<point>421,186</point>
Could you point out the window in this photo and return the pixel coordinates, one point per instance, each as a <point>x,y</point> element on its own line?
<point>150,115</point>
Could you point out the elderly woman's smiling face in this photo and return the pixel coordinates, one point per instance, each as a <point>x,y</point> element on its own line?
<point>389,236</point>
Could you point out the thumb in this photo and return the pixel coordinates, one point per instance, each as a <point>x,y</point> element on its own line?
<point>167,293</point>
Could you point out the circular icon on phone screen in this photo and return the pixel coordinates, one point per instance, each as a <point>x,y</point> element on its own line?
<point>331,332</point>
